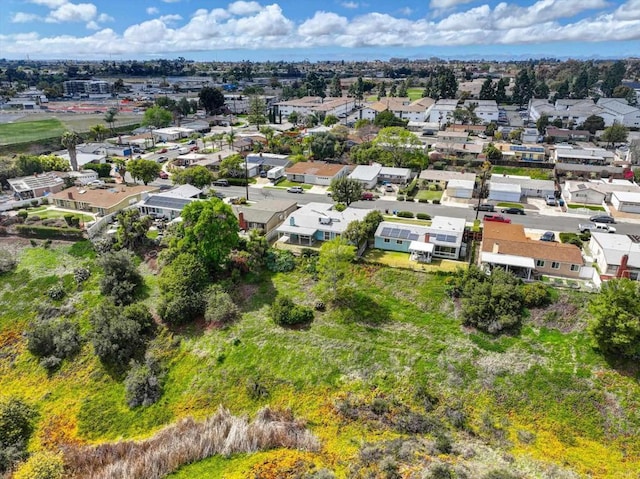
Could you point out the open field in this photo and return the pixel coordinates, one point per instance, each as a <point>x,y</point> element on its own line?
<point>534,173</point>
<point>23,131</point>
<point>414,93</point>
<point>392,358</point>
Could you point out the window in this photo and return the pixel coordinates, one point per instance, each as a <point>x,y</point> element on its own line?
<point>575,267</point>
<point>327,235</point>
<point>540,263</point>
<point>399,241</point>
<point>387,240</point>
<point>555,265</point>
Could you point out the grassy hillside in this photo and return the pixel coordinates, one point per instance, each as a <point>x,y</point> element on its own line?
<point>392,376</point>
<point>24,131</point>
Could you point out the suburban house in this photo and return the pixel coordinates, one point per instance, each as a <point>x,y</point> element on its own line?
<point>524,152</point>
<point>621,111</point>
<point>441,111</point>
<point>172,133</point>
<point>569,111</point>
<point>102,201</point>
<point>505,192</point>
<point>486,110</point>
<point>315,172</point>
<point>264,216</point>
<point>402,108</point>
<point>589,156</point>
<point>460,188</point>
<point>528,187</point>
<point>456,184</point>
<point>315,222</point>
<point>367,175</point>
<point>36,186</point>
<point>506,246</point>
<point>169,204</point>
<point>268,160</point>
<point>84,158</point>
<point>564,134</point>
<point>312,104</point>
<point>626,202</point>
<point>80,177</point>
<point>597,192</point>
<point>616,255</point>
<point>395,175</point>
<point>443,239</point>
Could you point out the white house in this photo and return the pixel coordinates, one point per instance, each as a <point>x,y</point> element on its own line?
<point>486,110</point>
<point>172,133</point>
<point>315,172</point>
<point>395,175</point>
<point>528,187</point>
<point>622,112</point>
<point>626,201</point>
<point>442,111</point>
<point>611,251</point>
<point>367,175</point>
<point>585,156</point>
<point>169,204</point>
<point>583,193</point>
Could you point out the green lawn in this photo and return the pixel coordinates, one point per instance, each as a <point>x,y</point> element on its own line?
<point>24,131</point>
<point>574,206</point>
<point>534,173</point>
<point>398,259</point>
<point>407,221</point>
<point>429,195</point>
<point>414,93</point>
<point>287,184</point>
<point>506,204</point>
<point>45,213</point>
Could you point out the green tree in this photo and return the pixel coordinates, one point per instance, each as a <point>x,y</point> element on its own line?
<point>501,90</point>
<point>330,120</point>
<point>29,165</point>
<point>144,170</point>
<point>198,176</point>
<point>523,88</point>
<point>541,90</point>
<point>345,190</point>
<point>615,324</point>
<point>542,123</point>
<point>220,307</point>
<point>157,116</point>
<point>98,132</point>
<point>209,230</point>
<point>70,139</point>
<point>257,108</point>
<point>103,169</point>
<point>387,118</point>
<point>593,123</point>
<point>323,146</point>
<point>182,282</point>
<point>492,153</point>
<point>488,90</point>
<point>628,93</point>
<point>294,117</point>
<point>132,228</point>
<point>110,117</point>
<point>333,268</point>
<point>232,166</point>
<point>580,86</point>
<point>211,99</point>
<point>616,133</point>
<point>335,89</point>
<point>16,427</point>
<point>398,141</point>
<point>613,78</point>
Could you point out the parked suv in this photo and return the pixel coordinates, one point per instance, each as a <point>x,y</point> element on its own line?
<point>551,200</point>
<point>221,183</point>
<point>548,236</point>
<point>484,207</point>
<point>295,189</point>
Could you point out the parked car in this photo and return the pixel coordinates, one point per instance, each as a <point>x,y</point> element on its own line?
<point>295,189</point>
<point>602,219</point>
<point>484,207</point>
<point>217,194</point>
<point>263,174</point>
<point>164,175</point>
<point>162,159</point>
<point>367,196</point>
<point>497,218</point>
<point>548,236</point>
<point>222,182</point>
<point>596,227</point>
<point>388,188</point>
<point>164,150</point>
<point>513,211</point>
<point>551,200</point>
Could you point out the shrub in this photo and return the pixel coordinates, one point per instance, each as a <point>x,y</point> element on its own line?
<point>16,426</point>
<point>237,181</point>
<point>80,275</point>
<point>423,216</point>
<point>280,261</point>
<point>400,198</point>
<point>405,214</point>
<point>255,389</point>
<point>22,214</point>
<point>56,292</point>
<point>339,207</point>
<point>142,385</point>
<point>53,339</point>
<point>535,295</point>
<point>220,307</point>
<point>441,471</point>
<point>500,474</point>
<point>319,306</point>
<point>121,278</point>
<point>285,312</point>
<point>41,465</point>
<point>410,198</point>
<point>32,219</point>
<point>423,200</point>
<point>45,232</point>
<point>50,363</point>
<point>181,307</point>
<point>7,261</point>
<point>34,203</point>
<point>436,202</point>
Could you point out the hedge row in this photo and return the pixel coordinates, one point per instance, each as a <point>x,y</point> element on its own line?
<point>46,232</point>
<point>236,181</point>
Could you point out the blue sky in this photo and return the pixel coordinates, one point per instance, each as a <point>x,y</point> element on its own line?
<point>318,30</point>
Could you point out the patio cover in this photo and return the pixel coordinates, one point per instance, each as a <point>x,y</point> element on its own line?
<point>507,260</point>
<point>297,230</point>
<point>421,247</point>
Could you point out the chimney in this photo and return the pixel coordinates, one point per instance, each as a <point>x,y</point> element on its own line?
<point>496,248</point>
<point>426,237</point>
<point>70,195</point>
<point>622,269</point>
<point>241,222</point>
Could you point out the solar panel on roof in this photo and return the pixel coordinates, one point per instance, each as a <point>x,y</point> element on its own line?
<point>386,231</point>
<point>395,232</point>
<point>404,234</point>
<point>413,237</point>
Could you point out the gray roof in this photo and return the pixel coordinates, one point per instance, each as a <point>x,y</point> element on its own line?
<point>524,182</point>
<point>614,246</point>
<point>440,175</point>
<point>28,183</point>
<point>365,172</point>
<point>263,211</point>
<point>166,202</point>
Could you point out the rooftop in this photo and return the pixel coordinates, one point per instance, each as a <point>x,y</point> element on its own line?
<point>317,168</point>
<point>28,183</point>
<point>102,198</point>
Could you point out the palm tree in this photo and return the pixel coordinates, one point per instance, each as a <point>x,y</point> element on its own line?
<point>110,117</point>
<point>98,132</point>
<point>231,137</point>
<point>70,139</point>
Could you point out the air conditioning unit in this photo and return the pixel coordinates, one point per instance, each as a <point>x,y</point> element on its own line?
<point>323,220</point>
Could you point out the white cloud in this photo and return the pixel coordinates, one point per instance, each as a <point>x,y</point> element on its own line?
<point>351,5</point>
<point>406,11</point>
<point>242,8</point>
<point>104,18</point>
<point>49,3</point>
<point>152,11</point>
<point>268,27</point>
<point>170,1</point>
<point>323,23</point>
<point>22,17</point>
<point>71,12</point>
<point>444,4</point>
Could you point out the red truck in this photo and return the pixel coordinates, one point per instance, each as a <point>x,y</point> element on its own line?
<point>497,218</point>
